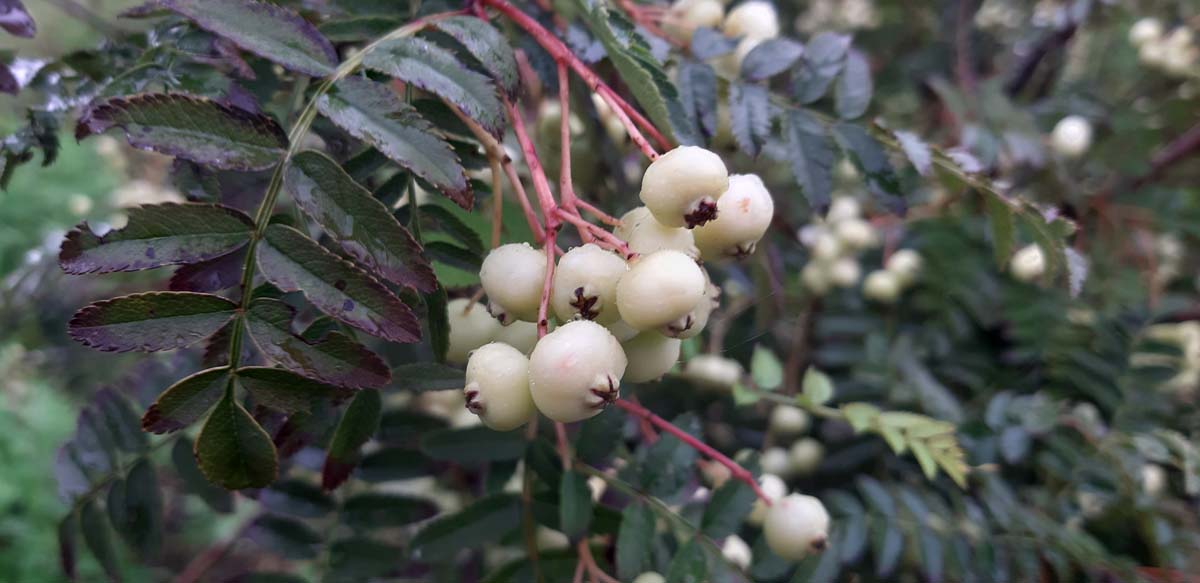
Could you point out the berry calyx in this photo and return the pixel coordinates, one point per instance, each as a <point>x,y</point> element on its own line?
<point>681,187</point>
<point>497,387</point>
<point>796,526</point>
<point>696,320</point>
<point>469,329</point>
<point>744,212</point>
<point>659,289</point>
<point>576,371</point>
<point>513,276</point>
<point>585,284</point>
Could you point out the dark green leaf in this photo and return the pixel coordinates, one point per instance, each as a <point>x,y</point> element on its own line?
<point>487,520</point>
<point>283,390</point>
<point>871,160</point>
<point>698,93</point>
<point>217,498</point>
<point>356,559</point>
<point>438,320</point>
<point>68,545</point>
<point>267,30</point>
<point>137,516</point>
<point>454,226</point>
<point>99,539</point>
<point>193,128</point>
<point>453,255</point>
<point>234,451</point>
<point>151,321</point>
<point>575,505</point>
<point>727,509</point>
<point>853,540</point>
<point>1003,227</point>
<point>689,565</point>
<point>293,262</point>
<point>823,59</point>
<point>358,424</point>
<point>289,538</point>
<point>771,57</point>
<point>377,510</point>
<point>932,554</point>
<point>400,427</point>
<point>296,498</point>
<point>634,541</point>
<point>157,235</point>
<point>373,113</point>
<point>473,445</point>
<point>599,436</point>
<point>487,45</point>
<point>186,401</point>
<point>334,358</point>
<point>359,29</point>
<point>852,95</point>
<point>750,116</point>
<point>428,376</point>
<point>822,568</point>
<point>810,153</point>
<point>393,463</point>
<point>1050,241</point>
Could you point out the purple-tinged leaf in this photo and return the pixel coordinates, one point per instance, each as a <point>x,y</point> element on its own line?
<point>283,390</point>
<point>364,228</point>
<point>770,58</point>
<point>151,321</point>
<point>148,9</point>
<point>68,550</point>
<point>810,152</point>
<point>333,358</point>
<point>72,480</point>
<point>186,401</point>
<point>487,45</point>
<point>295,263</point>
<point>15,19</point>
<point>358,424</point>
<point>269,31</point>
<point>194,128</point>
<point>156,236</point>
<point>135,508</point>
<point>374,114</point>
<point>212,275</point>
<point>122,421</point>
<point>98,537</point>
<point>233,450</point>
<point>8,82</point>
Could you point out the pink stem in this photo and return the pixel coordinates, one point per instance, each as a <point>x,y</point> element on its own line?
<point>735,470</point>
<point>543,323</point>
<point>596,212</point>
<point>523,198</point>
<point>566,187</point>
<point>601,236</point>
<point>541,186</point>
<point>610,97</point>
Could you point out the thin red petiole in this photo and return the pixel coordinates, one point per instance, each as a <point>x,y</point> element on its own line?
<point>543,323</point>
<point>595,212</point>
<point>566,187</point>
<point>735,469</point>
<point>602,236</point>
<point>523,199</point>
<point>541,186</point>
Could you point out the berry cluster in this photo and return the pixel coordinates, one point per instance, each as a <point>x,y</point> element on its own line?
<point>1175,53</point>
<point>750,22</point>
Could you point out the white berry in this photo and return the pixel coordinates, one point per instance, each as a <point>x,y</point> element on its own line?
<point>805,455</point>
<point>498,386</point>
<point>696,320</point>
<point>1154,479</point>
<point>681,187</point>
<point>468,329</point>
<point>827,246</point>
<point>1028,264</point>
<point>622,331</point>
<point>685,16</point>
<point>844,272</point>
<point>650,356</point>
<point>1145,30</point>
<point>756,19</point>
<point>520,335</point>
<point>796,526</point>
<point>585,284</point>
<point>815,276</point>
<point>775,461</point>
<point>650,577</point>
<point>844,207</point>
<point>906,264</point>
<point>775,489</point>
<point>1072,136</point>
<point>712,371</point>
<point>881,286</point>
<point>660,288</point>
<point>744,212</point>
<point>788,420</point>
<point>645,234</point>
<point>856,234</point>
<point>575,371</point>
<point>736,551</point>
<point>513,276</point>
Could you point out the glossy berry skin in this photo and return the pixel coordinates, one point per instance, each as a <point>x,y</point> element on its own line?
<point>696,320</point>
<point>513,276</point>
<point>796,526</point>
<point>585,284</point>
<point>660,288</point>
<point>520,335</point>
<point>681,187</point>
<point>469,330</point>
<point>744,212</point>
<point>650,355</point>
<point>498,386</point>
<point>575,371</point>
<point>775,489</point>
<point>645,234</point>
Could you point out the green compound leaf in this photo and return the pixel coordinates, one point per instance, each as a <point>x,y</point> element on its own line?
<point>233,450</point>
<point>151,321</point>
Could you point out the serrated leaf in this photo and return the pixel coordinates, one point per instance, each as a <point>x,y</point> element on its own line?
<point>136,513</point>
<point>871,160</point>
<point>634,540</point>
<point>436,70</point>
<point>487,45</point>
<point>771,57</point>
<point>267,30</point>
<point>295,263</point>
<point>452,225</point>
<point>852,95</point>
<point>98,538</point>
<point>473,445</point>
<point>817,387</point>
<point>392,463</point>
<point>356,427</point>
<point>193,128</point>
<point>765,368</point>
<point>810,154</point>
<point>296,498</point>
<point>334,358</point>
<point>428,376</point>
<point>574,505</point>
<point>234,451</point>
<point>727,509</point>
<point>373,113</point>
<point>750,116</point>
<point>359,29</point>
<point>283,390</point>
<point>157,235</point>
<point>150,321</point>
<point>698,91</point>
<point>364,228</point>
<point>186,401</point>
<point>823,59</point>
<point>708,44</point>
<point>917,151</point>
<point>689,565</point>
<point>379,510</point>
<point>212,275</point>
<point>484,521</point>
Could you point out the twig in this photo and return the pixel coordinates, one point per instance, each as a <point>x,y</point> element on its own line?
<point>1177,150</point>
<point>200,565</point>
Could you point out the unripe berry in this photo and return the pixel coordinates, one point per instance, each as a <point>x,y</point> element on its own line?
<point>788,420</point>
<point>744,212</point>
<point>882,286</point>
<point>681,187</point>
<point>695,321</point>
<point>805,455</point>
<point>775,461</point>
<point>650,577</point>
<point>796,526</point>
<point>585,284</point>
<point>736,551</point>
<point>575,371</point>
<point>775,489</point>
<point>659,289</point>
<point>1028,264</point>
<point>513,276</point>
<point>1072,136</point>
<point>520,335</point>
<point>685,16</point>
<point>498,386</point>
<point>856,234</point>
<point>468,329</point>
<point>650,355</point>
<point>712,371</point>
<point>1145,30</point>
<point>844,272</point>
<point>905,264</point>
<point>645,234</point>
<point>755,19</point>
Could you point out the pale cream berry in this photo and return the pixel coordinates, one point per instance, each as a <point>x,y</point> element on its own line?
<point>520,335</point>
<point>1028,264</point>
<point>844,207</point>
<point>906,264</point>
<point>622,331</point>
<point>775,489</point>
<point>645,234</point>
<point>513,276</point>
<point>1072,136</point>
<point>713,371</point>
<point>1154,479</point>
<point>696,320</point>
<point>613,125</point>
<point>788,420</point>
<point>796,526</point>
<point>845,272</point>
<point>681,187</point>
<point>498,386</point>
<point>469,329</point>
<point>1146,30</point>
<point>660,288</point>
<point>856,234</point>
<point>744,212</point>
<point>585,284</point>
<point>737,552</point>
<point>815,276</point>
<point>650,355</point>
<point>575,371</point>
<point>805,455</point>
<point>549,539</point>
<point>730,64</point>
<point>754,19</point>
<point>881,286</point>
<point>827,247</point>
<point>775,461</point>
<point>444,404</point>
<point>685,16</point>
<point>650,577</point>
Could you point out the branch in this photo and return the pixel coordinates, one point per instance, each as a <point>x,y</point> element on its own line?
<point>1177,150</point>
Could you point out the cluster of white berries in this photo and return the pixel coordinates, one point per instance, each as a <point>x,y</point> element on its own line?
<point>1174,53</point>
<point>801,458</point>
<point>750,22</point>
<point>845,15</point>
<point>619,320</point>
<point>1072,136</point>
<point>834,245</point>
